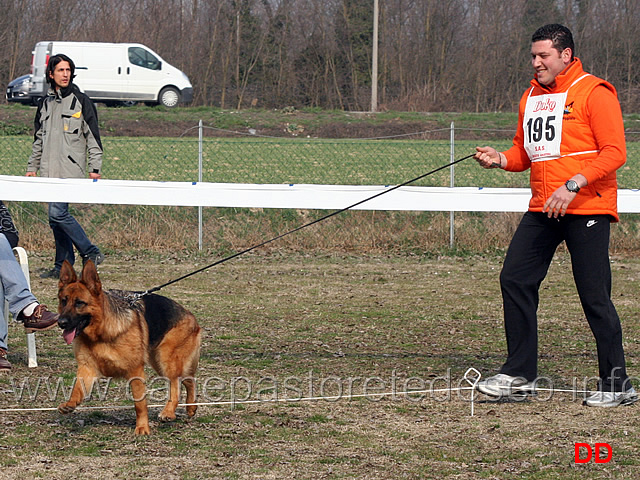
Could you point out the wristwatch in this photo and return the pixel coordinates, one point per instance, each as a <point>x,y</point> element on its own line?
<point>572,186</point>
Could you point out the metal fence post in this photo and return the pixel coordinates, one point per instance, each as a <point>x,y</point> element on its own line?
<point>200,180</point>
<point>452,184</point>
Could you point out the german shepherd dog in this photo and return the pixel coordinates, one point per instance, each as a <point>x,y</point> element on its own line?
<point>115,336</point>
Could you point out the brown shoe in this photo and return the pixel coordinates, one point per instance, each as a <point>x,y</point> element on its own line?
<point>5,366</point>
<point>40,320</point>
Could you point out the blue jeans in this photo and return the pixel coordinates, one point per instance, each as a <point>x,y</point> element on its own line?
<point>13,287</point>
<point>68,233</point>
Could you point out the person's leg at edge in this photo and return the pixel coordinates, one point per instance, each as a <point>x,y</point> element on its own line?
<point>4,327</point>
<point>588,243</point>
<point>5,365</point>
<point>525,267</point>
<point>67,233</point>
<point>13,287</point>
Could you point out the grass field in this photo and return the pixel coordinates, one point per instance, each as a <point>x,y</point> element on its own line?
<point>286,325</point>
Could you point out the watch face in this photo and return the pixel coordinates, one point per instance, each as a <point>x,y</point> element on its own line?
<point>572,186</point>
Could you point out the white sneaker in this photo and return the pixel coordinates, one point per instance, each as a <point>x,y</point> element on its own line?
<point>505,386</point>
<point>611,399</point>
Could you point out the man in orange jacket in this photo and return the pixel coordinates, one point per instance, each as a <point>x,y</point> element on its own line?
<point>571,136</point>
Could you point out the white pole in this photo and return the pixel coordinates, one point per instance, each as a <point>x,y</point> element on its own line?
<point>452,184</point>
<point>374,61</point>
<point>200,181</point>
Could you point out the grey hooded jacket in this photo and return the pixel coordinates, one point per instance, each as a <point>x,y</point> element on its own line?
<point>66,133</point>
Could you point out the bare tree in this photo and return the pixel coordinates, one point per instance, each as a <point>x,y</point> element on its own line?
<point>434,55</point>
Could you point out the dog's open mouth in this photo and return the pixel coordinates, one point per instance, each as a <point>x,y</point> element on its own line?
<point>69,335</point>
<point>72,326</point>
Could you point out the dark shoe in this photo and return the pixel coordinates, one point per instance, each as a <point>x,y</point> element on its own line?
<point>5,366</point>
<point>40,320</point>
<point>53,273</point>
<point>96,258</point>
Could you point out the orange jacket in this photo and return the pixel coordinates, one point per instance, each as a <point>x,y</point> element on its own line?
<point>592,120</point>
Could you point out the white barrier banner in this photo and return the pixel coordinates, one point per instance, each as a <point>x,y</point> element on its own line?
<point>302,196</point>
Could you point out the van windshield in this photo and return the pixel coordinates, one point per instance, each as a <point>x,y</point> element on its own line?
<point>143,58</point>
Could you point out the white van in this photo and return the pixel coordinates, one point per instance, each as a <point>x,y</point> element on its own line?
<point>114,73</point>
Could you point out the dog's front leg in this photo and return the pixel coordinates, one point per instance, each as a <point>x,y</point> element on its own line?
<point>85,379</point>
<point>139,394</point>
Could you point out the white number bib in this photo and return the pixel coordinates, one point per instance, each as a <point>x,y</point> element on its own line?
<point>542,124</point>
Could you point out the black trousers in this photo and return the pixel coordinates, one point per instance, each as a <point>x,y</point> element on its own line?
<point>526,264</point>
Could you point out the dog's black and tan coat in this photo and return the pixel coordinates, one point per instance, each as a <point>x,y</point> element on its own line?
<point>115,337</point>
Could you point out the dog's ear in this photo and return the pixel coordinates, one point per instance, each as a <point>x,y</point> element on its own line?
<point>67,275</point>
<point>90,278</point>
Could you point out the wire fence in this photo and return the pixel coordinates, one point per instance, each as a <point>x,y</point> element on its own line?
<point>250,159</point>
<point>246,158</point>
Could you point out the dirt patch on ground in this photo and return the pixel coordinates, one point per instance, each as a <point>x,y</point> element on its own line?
<point>392,128</point>
<point>146,121</point>
<point>289,127</point>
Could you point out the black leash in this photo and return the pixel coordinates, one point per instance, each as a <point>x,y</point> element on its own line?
<point>155,289</point>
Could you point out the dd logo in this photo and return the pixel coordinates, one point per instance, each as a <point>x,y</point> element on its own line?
<point>595,453</point>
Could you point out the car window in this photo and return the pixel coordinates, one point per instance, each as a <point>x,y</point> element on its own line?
<point>143,58</point>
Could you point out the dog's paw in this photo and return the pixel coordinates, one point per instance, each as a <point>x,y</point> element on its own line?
<point>143,430</point>
<point>166,417</point>
<point>66,407</point>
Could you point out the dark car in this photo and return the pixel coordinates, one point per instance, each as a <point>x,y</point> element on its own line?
<point>18,90</point>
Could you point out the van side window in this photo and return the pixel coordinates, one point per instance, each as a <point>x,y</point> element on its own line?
<point>143,58</point>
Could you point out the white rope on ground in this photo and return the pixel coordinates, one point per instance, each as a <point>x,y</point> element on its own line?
<point>249,402</point>
<point>307,399</point>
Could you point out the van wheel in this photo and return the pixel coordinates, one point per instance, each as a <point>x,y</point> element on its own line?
<point>169,97</point>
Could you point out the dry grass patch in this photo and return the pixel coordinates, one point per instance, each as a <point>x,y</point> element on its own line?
<point>342,319</point>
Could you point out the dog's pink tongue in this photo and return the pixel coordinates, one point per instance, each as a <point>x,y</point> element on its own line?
<point>69,335</point>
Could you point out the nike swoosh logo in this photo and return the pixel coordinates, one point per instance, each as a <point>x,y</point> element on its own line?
<point>591,223</point>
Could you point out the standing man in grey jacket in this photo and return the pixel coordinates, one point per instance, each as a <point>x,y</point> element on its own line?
<point>66,139</point>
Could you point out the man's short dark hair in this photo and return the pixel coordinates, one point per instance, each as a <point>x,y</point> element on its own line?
<point>559,35</point>
<point>54,61</point>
